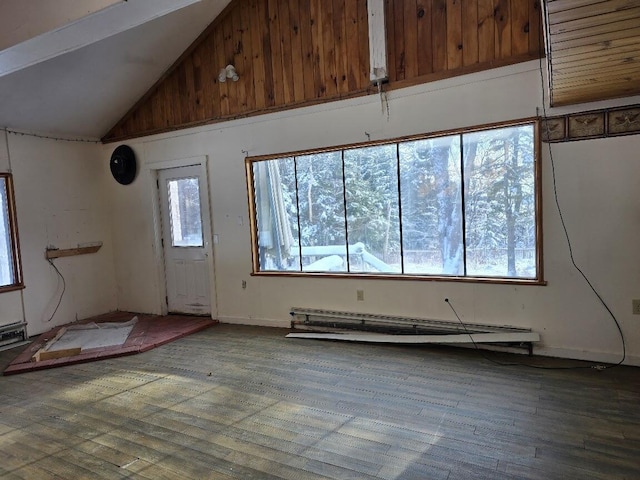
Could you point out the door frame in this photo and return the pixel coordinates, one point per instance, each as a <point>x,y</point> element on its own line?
<point>154,170</point>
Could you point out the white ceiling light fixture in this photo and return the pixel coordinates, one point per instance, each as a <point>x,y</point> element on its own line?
<point>228,72</point>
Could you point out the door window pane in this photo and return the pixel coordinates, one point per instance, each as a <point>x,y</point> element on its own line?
<point>184,212</point>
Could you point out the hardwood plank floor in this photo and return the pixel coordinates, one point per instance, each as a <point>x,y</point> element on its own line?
<point>236,402</point>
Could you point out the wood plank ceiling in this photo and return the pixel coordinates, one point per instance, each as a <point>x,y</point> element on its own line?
<point>593,49</point>
<point>291,53</point>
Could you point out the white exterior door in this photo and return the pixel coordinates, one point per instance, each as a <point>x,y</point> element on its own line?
<point>186,239</point>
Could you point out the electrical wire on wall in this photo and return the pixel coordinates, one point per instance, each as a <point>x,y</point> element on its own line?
<point>64,287</point>
<point>573,263</point>
<point>49,137</point>
<point>566,231</point>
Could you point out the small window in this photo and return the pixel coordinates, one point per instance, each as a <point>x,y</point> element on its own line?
<point>184,212</point>
<point>10,265</point>
<point>462,205</point>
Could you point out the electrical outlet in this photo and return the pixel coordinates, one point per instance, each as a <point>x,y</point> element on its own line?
<point>244,284</point>
<point>360,295</point>
<point>636,306</point>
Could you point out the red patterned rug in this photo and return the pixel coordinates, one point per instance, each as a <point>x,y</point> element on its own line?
<point>150,331</point>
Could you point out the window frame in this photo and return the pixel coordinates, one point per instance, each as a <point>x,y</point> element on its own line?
<point>539,280</point>
<point>18,283</point>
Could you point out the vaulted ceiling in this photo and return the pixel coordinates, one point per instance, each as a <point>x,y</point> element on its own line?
<point>76,67</point>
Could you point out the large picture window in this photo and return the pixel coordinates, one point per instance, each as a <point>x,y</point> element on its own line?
<point>10,266</point>
<point>463,205</point>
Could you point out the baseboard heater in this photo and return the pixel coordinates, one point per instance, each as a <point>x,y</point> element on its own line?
<point>12,335</point>
<point>374,328</point>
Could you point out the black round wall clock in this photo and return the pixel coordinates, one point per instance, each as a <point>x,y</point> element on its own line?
<point>123,164</point>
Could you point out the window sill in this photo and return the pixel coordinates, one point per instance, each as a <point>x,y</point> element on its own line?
<point>422,278</point>
<point>11,288</point>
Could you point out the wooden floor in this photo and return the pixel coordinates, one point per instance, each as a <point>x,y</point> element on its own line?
<point>237,402</point>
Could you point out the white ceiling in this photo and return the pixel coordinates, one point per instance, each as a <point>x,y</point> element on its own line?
<point>81,76</point>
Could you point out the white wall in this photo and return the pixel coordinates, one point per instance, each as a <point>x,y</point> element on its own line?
<point>60,201</point>
<point>596,183</point>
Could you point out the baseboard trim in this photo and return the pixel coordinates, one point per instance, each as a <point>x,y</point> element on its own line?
<point>603,357</point>
<point>257,322</point>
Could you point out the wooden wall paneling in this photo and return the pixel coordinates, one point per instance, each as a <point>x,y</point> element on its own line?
<point>276,52</point>
<point>158,111</point>
<point>351,44</point>
<point>362,74</point>
<point>390,36</point>
<point>424,39</point>
<point>604,38</point>
<point>411,45</point>
<point>139,123</point>
<point>214,95</point>
<point>178,99</point>
<point>439,35</point>
<point>398,25</point>
<point>352,50</point>
<point>171,86</point>
<point>161,98</point>
<point>318,48</point>
<point>554,6</point>
<point>576,33</point>
<point>309,66</point>
<point>594,93</point>
<point>221,62</point>
<point>264,20</point>
<point>486,29</point>
<point>330,80</point>
<point>601,22</point>
<point>340,50</point>
<point>204,77</point>
<point>536,43</point>
<point>595,53</point>
<point>519,27</point>
<point>286,49</point>
<point>596,49</point>
<point>188,86</point>
<point>469,33</point>
<point>454,34</point>
<point>229,58</point>
<point>290,53</point>
<point>610,64</point>
<point>146,117</point>
<point>502,14</point>
<point>238,38</point>
<point>256,58</point>
<point>590,10</point>
<point>198,86</point>
<point>296,52</point>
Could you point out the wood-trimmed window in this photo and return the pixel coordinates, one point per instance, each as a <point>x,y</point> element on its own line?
<point>457,205</point>
<point>10,264</point>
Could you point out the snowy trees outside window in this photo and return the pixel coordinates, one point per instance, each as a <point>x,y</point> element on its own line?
<point>460,205</point>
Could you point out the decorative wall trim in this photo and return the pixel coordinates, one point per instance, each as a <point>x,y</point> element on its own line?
<point>611,122</point>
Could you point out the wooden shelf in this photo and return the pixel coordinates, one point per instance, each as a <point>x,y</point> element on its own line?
<point>70,252</point>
